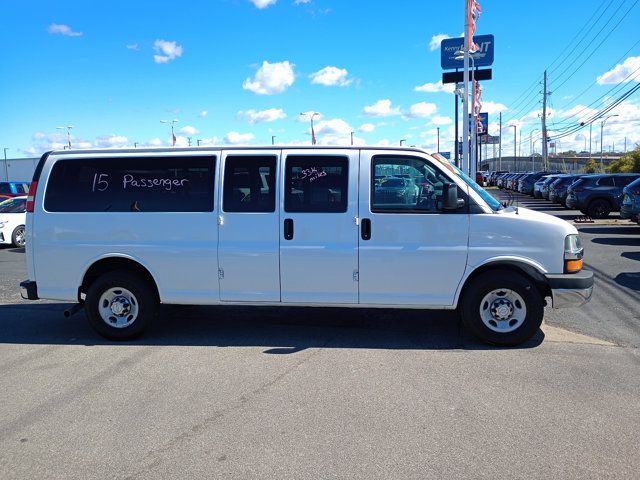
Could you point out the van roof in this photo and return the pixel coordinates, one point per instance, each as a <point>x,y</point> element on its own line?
<point>234,147</point>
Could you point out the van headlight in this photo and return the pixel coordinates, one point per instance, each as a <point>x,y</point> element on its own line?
<point>573,253</point>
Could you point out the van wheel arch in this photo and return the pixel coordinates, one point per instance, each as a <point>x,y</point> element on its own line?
<point>510,266</point>
<point>111,264</point>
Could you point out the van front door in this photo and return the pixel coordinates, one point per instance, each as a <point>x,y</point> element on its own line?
<point>318,231</point>
<point>411,251</point>
<point>248,250</point>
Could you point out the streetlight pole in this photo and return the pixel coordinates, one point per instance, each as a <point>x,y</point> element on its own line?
<point>402,141</point>
<point>173,136</point>
<point>601,143</point>
<point>351,138</point>
<point>198,142</point>
<point>68,128</point>
<point>273,139</point>
<point>438,139</point>
<point>531,147</point>
<point>313,135</point>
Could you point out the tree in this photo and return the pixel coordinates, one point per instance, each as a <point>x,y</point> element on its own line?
<point>627,164</point>
<point>591,166</point>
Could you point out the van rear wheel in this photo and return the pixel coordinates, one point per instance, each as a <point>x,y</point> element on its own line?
<point>502,308</point>
<point>120,305</point>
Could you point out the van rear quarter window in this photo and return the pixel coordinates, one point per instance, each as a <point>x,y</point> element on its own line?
<point>131,184</point>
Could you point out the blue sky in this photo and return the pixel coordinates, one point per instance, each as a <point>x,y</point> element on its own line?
<point>240,71</point>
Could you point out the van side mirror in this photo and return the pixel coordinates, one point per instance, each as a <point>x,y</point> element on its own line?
<point>450,197</point>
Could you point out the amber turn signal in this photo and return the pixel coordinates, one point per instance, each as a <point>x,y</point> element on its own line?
<point>572,266</point>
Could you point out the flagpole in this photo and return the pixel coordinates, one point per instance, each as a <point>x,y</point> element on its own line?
<point>465,102</point>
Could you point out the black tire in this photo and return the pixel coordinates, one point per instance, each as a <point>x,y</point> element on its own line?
<point>498,280</point>
<point>133,288</point>
<point>599,208</point>
<point>17,237</point>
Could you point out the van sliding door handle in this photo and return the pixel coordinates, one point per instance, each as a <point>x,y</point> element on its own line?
<point>365,229</point>
<point>288,229</point>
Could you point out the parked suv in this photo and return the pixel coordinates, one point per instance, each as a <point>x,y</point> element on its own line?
<point>526,183</point>
<point>600,194</point>
<point>558,189</point>
<point>630,207</point>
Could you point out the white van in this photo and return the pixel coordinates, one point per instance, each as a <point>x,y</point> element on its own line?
<point>121,231</point>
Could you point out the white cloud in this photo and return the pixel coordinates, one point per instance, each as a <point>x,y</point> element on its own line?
<point>155,142</point>
<point>270,115</point>
<point>331,76</point>
<point>421,110</point>
<point>493,107</point>
<point>189,130</point>
<point>435,87</point>
<point>301,2</point>
<point>271,78</point>
<point>133,46</point>
<point>382,108</point>
<point>434,44</point>
<point>235,138</point>
<point>441,120</point>
<point>630,68</point>
<point>111,141</point>
<point>166,51</point>
<point>336,126</point>
<point>203,114</point>
<point>263,3</point>
<point>367,127</point>
<point>62,29</point>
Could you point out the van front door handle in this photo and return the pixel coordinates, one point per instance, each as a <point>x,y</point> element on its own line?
<point>288,229</point>
<point>365,229</point>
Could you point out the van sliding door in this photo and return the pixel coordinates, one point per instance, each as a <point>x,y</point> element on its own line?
<point>248,227</point>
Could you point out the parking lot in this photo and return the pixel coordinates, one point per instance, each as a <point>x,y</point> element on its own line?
<point>235,392</point>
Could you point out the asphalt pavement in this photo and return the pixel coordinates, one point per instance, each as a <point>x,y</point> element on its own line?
<point>232,392</point>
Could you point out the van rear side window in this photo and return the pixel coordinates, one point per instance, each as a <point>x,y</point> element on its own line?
<point>133,184</point>
<point>316,184</point>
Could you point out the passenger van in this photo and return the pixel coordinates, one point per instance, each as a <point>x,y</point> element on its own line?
<point>122,231</point>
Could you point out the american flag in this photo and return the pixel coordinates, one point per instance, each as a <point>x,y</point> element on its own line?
<point>313,136</point>
<point>174,139</point>
<point>474,14</point>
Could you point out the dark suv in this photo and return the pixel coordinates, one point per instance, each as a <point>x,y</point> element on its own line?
<point>558,189</point>
<point>600,194</point>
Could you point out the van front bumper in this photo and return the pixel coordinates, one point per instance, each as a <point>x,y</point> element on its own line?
<point>29,290</point>
<point>571,289</point>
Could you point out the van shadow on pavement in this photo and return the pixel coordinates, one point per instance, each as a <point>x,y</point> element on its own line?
<point>282,330</point>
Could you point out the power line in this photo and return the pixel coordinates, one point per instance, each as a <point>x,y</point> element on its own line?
<point>593,51</point>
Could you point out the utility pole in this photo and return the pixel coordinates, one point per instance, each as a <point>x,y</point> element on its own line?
<point>6,168</point>
<point>500,144</point>
<point>438,148</point>
<point>625,144</point>
<point>545,153</point>
<point>456,156</point>
<point>351,138</point>
<point>590,127</point>
<point>515,157</point>
<point>189,140</point>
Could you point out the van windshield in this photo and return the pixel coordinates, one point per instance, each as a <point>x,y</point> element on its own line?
<point>486,196</point>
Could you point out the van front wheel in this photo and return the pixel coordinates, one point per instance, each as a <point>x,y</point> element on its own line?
<point>120,305</point>
<point>502,308</point>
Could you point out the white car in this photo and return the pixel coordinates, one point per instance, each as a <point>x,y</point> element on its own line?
<point>12,221</point>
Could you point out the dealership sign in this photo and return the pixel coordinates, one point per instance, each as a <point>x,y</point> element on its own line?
<point>450,47</point>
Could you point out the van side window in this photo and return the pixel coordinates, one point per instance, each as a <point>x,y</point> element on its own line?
<point>315,183</point>
<point>131,184</point>
<point>406,185</point>
<point>249,184</point>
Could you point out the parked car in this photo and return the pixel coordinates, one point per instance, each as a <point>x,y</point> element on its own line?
<point>526,183</point>
<point>13,189</point>
<point>544,190</point>
<point>537,187</point>
<point>13,205</point>
<point>600,194</point>
<point>481,178</point>
<point>398,190</point>
<point>493,176</point>
<point>12,221</point>
<point>558,188</point>
<point>630,207</point>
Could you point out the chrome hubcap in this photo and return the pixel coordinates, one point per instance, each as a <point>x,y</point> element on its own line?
<point>503,310</point>
<point>118,307</point>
